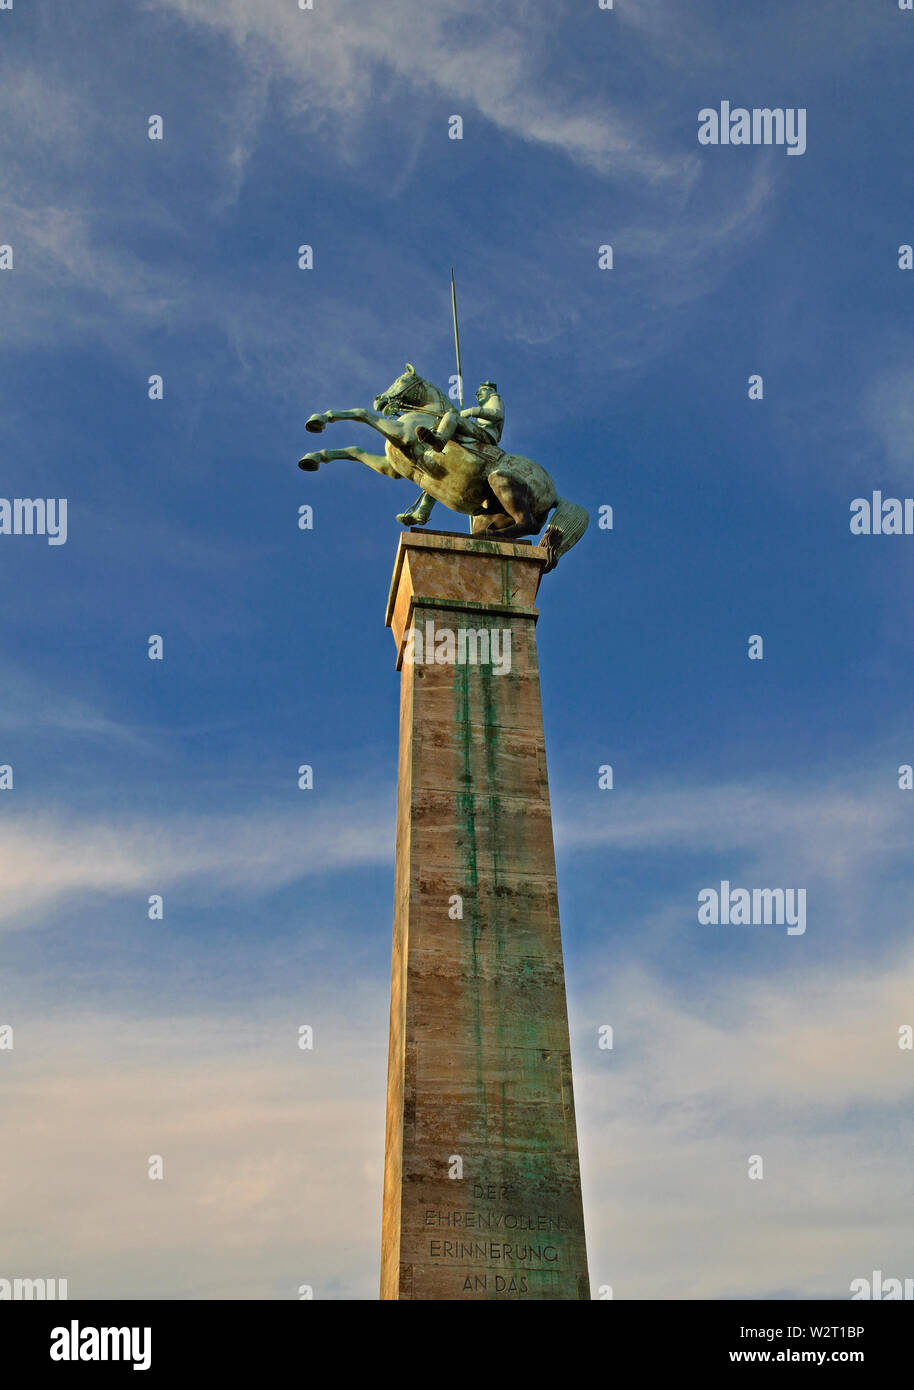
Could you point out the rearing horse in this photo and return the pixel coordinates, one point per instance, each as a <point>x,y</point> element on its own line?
<point>506,495</point>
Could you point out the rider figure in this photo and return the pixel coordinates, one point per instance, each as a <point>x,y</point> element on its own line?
<point>482,423</point>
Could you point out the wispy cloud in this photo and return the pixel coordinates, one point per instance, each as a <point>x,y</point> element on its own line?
<point>834,828</point>
<point>836,832</point>
<point>352,84</point>
<point>496,58</point>
<point>31,707</point>
<point>273,1156</point>
<point>807,1074</point>
<point>888,410</point>
<point>44,859</point>
<point>803,1069</point>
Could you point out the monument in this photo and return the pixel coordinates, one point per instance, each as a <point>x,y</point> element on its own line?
<point>482,1189</point>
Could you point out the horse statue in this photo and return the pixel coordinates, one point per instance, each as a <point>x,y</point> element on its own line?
<point>505,495</point>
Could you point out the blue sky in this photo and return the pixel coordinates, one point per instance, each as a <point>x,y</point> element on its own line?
<point>133,257</point>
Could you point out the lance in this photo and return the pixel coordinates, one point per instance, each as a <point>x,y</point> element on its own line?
<point>456,338</point>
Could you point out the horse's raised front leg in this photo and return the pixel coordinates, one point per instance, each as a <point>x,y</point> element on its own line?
<point>398,432</point>
<point>311,462</point>
<point>388,425</point>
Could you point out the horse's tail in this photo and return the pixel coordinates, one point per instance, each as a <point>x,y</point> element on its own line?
<point>566,525</point>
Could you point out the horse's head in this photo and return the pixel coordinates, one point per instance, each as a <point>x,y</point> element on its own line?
<point>410,391</point>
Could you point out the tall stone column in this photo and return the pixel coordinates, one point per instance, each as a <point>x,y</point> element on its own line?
<point>482,1189</point>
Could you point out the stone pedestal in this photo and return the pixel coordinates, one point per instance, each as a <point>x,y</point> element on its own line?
<point>482,1191</point>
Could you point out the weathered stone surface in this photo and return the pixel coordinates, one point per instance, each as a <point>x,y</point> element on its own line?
<point>480,1063</point>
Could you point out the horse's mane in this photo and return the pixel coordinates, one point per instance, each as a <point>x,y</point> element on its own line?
<point>432,395</point>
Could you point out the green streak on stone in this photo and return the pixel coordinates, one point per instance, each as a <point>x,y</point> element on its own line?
<point>467,813</point>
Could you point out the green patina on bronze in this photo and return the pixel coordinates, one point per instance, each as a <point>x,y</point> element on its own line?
<point>456,459</point>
